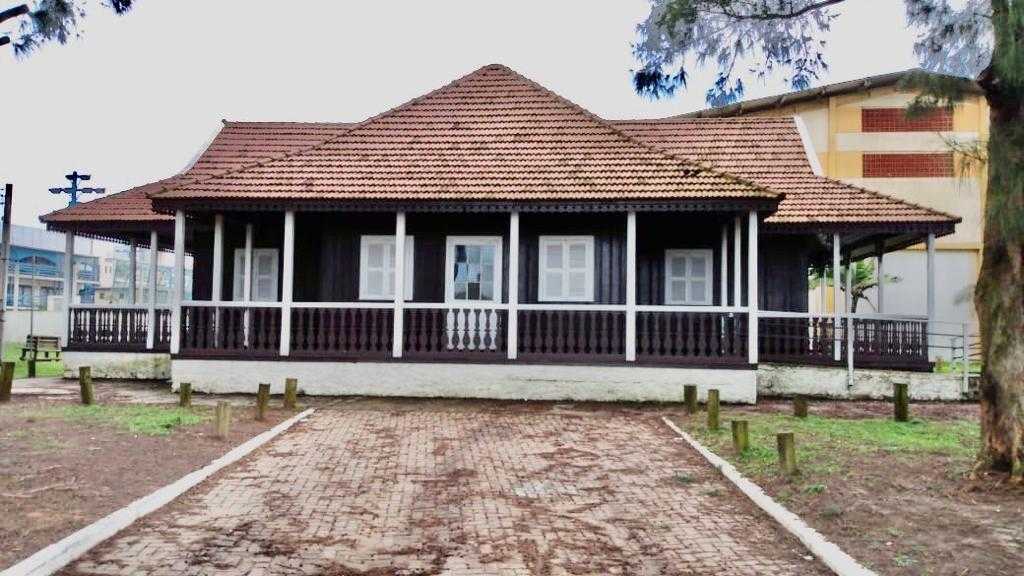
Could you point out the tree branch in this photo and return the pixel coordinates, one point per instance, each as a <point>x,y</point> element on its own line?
<point>781,15</point>
<point>13,13</point>
<point>5,40</point>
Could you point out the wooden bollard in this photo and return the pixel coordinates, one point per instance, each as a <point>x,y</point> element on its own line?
<point>740,435</point>
<point>185,395</point>
<point>291,393</point>
<point>223,419</point>
<point>713,422</point>
<point>800,406</point>
<point>787,453</point>
<point>901,401</point>
<point>262,399</point>
<point>6,381</point>
<point>85,385</point>
<point>690,398</point>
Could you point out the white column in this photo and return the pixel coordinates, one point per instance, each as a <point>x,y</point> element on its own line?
<point>397,336</point>
<point>723,268</point>
<point>752,287</point>
<point>737,262</point>
<point>247,282</point>
<point>216,291</point>
<point>247,271</point>
<point>154,257</point>
<point>836,296</point>
<point>132,270</point>
<point>179,280</point>
<point>69,283</point>
<point>631,286</point>
<point>287,282</point>
<point>512,340</point>
<point>930,274</point>
<point>880,278</point>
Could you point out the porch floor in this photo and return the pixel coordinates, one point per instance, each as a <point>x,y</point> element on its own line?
<point>461,488</point>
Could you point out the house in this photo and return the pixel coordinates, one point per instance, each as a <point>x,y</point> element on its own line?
<point>860,134</point>
<point>491,238</point>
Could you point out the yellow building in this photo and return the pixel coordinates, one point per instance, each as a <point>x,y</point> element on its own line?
<point>858,132</point>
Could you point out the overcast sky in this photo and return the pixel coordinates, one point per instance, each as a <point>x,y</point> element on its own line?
<point>137,97</point>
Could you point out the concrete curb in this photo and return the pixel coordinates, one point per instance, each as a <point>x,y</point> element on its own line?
<point>831,555</point>
<point>61,553</point>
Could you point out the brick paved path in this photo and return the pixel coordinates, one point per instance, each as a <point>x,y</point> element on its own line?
<point>416,488</point>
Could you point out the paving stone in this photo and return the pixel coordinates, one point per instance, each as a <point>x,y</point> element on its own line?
<point>425,487</point>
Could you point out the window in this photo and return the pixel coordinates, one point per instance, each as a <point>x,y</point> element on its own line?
<point>377,267</point>
<point>264,275</point>
<point>688,276</point>
<point>473,269</point>
<point>566,269</point>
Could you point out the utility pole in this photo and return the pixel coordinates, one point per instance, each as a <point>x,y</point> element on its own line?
<point>5,256</point>
<point>73,191</point>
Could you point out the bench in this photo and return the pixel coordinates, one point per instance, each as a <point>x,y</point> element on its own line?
<point>47,345</point>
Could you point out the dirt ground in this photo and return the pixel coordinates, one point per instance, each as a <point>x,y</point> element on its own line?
<point>57,476</point>
<point>908,514</point>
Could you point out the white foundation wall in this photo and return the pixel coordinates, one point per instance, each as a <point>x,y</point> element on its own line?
<point>827,382</point>
<point>119,365</point>
<point>497,381</point>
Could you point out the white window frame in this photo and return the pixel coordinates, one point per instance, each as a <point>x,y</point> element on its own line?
<point>364,255</point>
<point>238,276</point>
<point>709,277</point>
<point>449,262</point>
<point>542,268</point>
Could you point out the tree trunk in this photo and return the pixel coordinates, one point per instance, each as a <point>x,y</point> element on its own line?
<point>999,295</point>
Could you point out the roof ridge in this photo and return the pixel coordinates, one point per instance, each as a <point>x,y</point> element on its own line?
<point>350,129</point>
<point>656,149</point>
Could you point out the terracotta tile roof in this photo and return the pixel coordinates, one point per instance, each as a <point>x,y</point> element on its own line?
<point>132,205</point>
<point>236,145</point>
<point>491,135</point>
<point>769,151</point>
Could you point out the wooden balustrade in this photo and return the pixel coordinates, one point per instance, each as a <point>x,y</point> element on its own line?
<point>799,340</point>
<point>108,329</point>
<point>341,332</point>
<point>455,333</point>
<point>882,343</point>
<point>572,335</point>
<point>692,338</point>
<point>230,331</point>
<point>891,344</point>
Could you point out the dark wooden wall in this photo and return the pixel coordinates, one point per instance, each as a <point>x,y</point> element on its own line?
<point>327,253</point>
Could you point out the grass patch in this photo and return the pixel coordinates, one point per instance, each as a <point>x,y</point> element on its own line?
<point>12,353</point>
<point>823,443</point>
<point>138,419</point>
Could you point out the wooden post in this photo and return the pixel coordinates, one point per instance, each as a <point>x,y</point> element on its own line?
<point>291,392</point>
<point>690,397</point>
<point>901,401</point>
<point>740,435</point>
<point>262,398</point>
<point>32,364</point>
<point>223,419</point>
<point>185,395</point>
<point>6,381</point>
<point>85,384</point>
<point>787,453</point>
<point>713,409</point>
<point>800,406</point>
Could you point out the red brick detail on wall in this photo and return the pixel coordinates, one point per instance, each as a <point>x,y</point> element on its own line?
<point>908,165</point>
<point>895,120</point>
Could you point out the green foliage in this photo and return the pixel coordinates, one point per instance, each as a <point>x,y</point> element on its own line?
<point>54,20</point>
<point>821,442</point>
<point>863,279</point>
<point>150,420</point>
